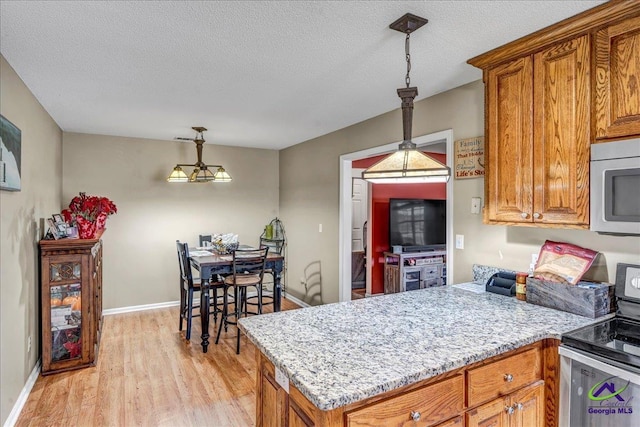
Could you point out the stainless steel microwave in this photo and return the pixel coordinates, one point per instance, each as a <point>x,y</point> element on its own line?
<point>615,187</point>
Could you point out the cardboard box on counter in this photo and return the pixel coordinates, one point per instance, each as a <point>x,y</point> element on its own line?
<point>586,298</point>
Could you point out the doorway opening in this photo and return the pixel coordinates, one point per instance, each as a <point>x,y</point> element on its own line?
<point>346,209</point>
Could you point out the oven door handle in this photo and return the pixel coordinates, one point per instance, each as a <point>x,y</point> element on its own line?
<point>601,366</point>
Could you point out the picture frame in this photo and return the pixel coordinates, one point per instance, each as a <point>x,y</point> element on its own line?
<point>469,158</point>
<point>53,229</point>
<point>72,232</point>
<point>57,218</point>
<point>10,155</point>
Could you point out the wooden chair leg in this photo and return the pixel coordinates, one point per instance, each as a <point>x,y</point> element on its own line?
<point>241,297</point>
<point>215,305</point>
<point>182,303</point>
<point>189,313</point>
<point>223,317</point>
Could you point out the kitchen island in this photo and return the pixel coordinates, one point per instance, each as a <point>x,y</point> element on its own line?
<point>441,349</point>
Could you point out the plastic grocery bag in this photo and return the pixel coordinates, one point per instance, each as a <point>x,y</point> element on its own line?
<point>563,262</point>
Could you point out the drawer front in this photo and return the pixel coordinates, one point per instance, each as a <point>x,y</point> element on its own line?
<point>432,403</point>
<point>503,376</point>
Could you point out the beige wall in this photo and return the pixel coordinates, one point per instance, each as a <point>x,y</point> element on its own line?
<point>309,195</point>
<point>140,262</point>
<point>20,218</point>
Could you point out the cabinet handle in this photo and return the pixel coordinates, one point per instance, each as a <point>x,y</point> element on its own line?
<point>508,378</point>
<point>536,215</point>
<point>509,410</point>
<point>415,415</point>
<point>524,215</point>
<point>519,406</point>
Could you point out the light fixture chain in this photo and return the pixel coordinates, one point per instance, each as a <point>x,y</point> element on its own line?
<point>407,79</point>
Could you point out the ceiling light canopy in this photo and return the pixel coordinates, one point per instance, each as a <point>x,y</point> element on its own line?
<point>201,172</point>
<point>408,164</point>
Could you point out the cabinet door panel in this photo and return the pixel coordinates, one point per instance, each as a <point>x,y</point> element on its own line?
<point>562,133</point>
<point>492,414</point>
<point>617,80</point>
<point>529,406</point>
<point>297,417</point>
<point>510,154</point>
<point>273,407</point>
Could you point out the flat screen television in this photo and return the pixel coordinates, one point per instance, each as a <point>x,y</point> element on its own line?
<point>417,222</point>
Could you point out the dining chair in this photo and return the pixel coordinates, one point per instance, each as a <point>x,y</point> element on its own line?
<point>247,270</point>
<point>204,238</point>
<point>267,292</point>
<point>189,286</point>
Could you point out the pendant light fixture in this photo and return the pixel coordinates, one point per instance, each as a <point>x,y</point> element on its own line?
<point>408,164</point>
<point>201,172</point>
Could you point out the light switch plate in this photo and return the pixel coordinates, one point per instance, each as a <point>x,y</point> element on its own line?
<point>459,241</point>
<point>475,205</point>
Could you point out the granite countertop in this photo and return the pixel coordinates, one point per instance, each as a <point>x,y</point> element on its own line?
<point>337,354</point>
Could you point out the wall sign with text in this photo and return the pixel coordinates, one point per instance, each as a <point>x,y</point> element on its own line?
<point>469,158</point>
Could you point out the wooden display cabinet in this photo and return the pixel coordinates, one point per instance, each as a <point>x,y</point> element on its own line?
<point>71,303</point>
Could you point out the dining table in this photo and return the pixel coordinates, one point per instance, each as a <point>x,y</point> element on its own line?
<point>210,263</point>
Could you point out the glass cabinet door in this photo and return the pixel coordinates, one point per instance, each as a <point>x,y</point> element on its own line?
<point>65,296</point>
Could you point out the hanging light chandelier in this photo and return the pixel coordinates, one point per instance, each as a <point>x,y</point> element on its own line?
<point>408,164</point>
<point>201,172</point>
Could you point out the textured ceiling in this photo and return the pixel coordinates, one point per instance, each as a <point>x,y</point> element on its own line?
<point>257,74</point>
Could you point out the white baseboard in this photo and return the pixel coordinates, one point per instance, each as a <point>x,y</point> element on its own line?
<point>133,308</point>
<point>139,307</point>
<point>373,295</point>
<point>297,301</point>
<point>24,395</point>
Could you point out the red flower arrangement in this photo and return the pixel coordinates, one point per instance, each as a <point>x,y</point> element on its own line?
<point>89,213</point>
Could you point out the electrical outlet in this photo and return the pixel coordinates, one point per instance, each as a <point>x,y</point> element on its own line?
<point>319,228</point>
<point>459,241</point>
<point>29,344</point>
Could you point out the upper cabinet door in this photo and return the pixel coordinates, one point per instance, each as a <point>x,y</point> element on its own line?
<point>617,80</point>
<point>562,133</point>
<point>509,127</point>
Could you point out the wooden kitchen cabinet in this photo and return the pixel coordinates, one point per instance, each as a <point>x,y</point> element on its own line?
<point>272,402</point>
<point>524,408</point>
<point>548,96</point>
<point>427,405</point>
<point>617,80</point>
<point>538,138</point>
<point>456,422</point>
<point>71,303</point>
<point>479,394</point>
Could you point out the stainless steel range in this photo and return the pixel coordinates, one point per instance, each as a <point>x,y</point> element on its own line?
<point>600,364</point>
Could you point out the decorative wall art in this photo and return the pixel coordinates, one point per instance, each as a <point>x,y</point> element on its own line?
<point>10,147</point>
<point>469,158</point>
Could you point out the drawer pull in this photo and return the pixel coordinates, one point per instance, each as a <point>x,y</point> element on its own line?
<point>509,410</point>
<point>415,415</point>
<point>508,378</point>
<point>536,215</point>
<point>524,215</point>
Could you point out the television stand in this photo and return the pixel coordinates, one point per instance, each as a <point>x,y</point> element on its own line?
<point>410,271</point>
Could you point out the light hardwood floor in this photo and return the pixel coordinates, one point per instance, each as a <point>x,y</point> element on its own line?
<point>148,375</point>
